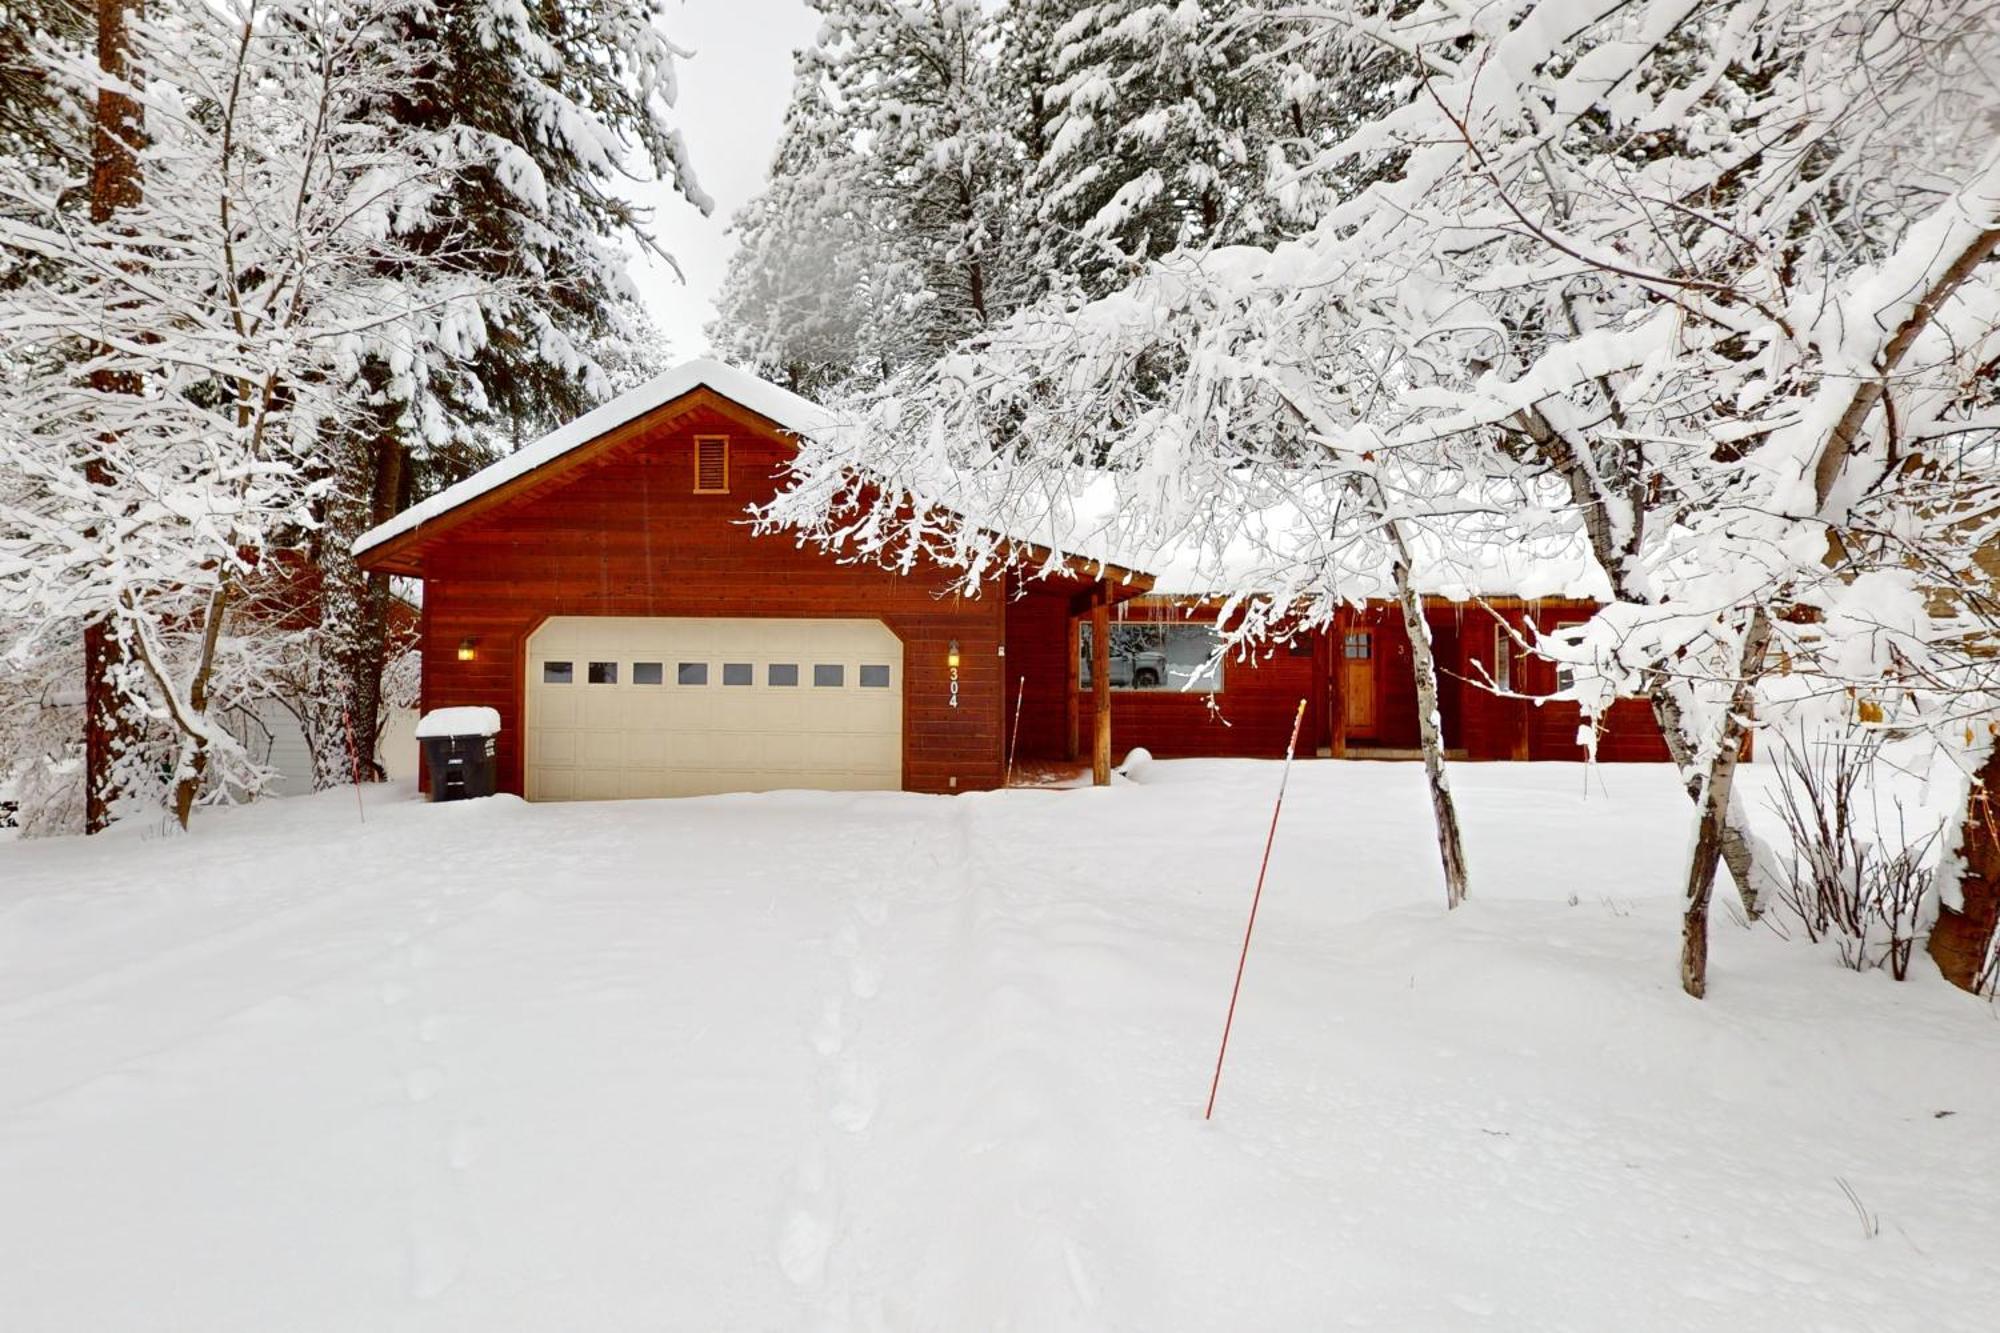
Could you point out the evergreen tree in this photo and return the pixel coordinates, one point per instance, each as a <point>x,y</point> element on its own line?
<point>554,102</point>
<point>1168,126</point>
<point>887,234</point>
<point>795,303</point>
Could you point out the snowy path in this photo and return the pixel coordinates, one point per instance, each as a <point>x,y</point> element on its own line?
<point>891,1062</point>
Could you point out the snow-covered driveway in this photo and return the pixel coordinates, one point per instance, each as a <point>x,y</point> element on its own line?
<point>900,1062</point>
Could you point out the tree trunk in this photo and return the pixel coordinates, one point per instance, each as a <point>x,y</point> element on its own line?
<point>189,784</point>
<point>1715,800</point>
<point>1423,666</point>
<point>354,617</point>
<point>1962,943</point>
<point>1740,847</point>
<point>114,186</point>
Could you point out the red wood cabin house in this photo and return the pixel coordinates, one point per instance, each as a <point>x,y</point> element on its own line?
<point>603,591</point>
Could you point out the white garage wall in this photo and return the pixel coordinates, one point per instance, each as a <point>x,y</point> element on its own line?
<point>273,735</point>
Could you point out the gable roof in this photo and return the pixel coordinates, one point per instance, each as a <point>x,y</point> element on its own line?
<point>781,407</point>
<point>697,383</point>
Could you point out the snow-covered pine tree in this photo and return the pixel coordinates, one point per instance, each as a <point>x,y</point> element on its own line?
<point>34,119</point>
<point>902,145</point>
<point>554,104</point>
<point>181,361</point>
<point>797,304</point>
<point>1169,124</point>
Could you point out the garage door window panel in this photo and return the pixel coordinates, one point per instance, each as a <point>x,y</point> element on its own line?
<point>829,675</point>
<point>691,673</point>
<point>558,673</point>
<point>738,673</point>
<point>649,673</point>
<point>603,673</point>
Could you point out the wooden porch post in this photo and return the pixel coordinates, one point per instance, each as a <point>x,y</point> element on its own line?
<point>1100,685</point>
<point>1337,684</point>
<point>1523,717</point>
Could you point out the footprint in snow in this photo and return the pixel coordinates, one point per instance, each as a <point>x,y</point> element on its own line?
<point>462,1148</point>
<point>855,1109</point>
<point>802,1245</point>
<point>424,1084</point>
<point>828,1036</point>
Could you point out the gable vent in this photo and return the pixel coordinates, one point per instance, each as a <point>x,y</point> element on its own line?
<point>711,464</point>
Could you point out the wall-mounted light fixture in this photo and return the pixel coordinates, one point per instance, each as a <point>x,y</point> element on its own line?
<point>951,654</point>
<point>468,649</point>
<point>951,660</point>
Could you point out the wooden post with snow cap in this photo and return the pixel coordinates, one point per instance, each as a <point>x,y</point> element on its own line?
<point>1229,1020</point>
<point>1100,685</point>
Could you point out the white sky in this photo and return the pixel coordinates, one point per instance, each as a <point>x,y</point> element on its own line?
<point>732,106</point>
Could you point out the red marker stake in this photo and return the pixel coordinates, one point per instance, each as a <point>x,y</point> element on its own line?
<point>354,759</point>
<point>1291,746</point>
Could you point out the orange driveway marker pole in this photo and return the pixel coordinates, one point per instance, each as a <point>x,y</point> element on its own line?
<point>1228,1022</point>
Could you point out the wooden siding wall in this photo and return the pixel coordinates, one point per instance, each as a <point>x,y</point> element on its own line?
<point>1395,687</point>
<point>1490,727</point>
<point>628,536</point>
<point>1258,697</point>
<point>1496,728</point>
<point>1038,648</point>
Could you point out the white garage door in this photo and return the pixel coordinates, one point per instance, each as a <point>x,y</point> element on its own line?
<point>683,706</point>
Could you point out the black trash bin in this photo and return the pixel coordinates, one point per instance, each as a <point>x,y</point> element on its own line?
<point>458,761</point>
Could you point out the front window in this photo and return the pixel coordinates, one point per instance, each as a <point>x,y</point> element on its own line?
<point>1167,657</point>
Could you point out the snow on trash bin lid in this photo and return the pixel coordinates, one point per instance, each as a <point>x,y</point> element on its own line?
<point>459,722</point>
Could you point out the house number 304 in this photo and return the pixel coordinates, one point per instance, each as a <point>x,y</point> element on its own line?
<point>954,687</point>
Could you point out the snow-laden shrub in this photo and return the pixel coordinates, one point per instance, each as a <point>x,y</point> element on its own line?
<point>1859,874</point>
<point>41,738</point>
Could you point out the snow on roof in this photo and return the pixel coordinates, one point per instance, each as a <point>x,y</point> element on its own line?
<point>1271,549</point>
<point>781,406</point>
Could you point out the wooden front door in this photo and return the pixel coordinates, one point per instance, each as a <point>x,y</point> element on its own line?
<point>1357,681</point>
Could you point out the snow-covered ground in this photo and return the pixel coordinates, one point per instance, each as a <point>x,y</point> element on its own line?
<point>899,1062</point>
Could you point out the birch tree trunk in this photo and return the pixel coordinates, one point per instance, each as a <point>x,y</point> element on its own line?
<point>1714,802</point>
<point>1423,667</point>
<point>1742,851</point>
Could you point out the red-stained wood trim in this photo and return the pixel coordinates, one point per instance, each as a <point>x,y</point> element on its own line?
<point>1336,679</point>
<point>1100,688</point>
<point>1072,686</point>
